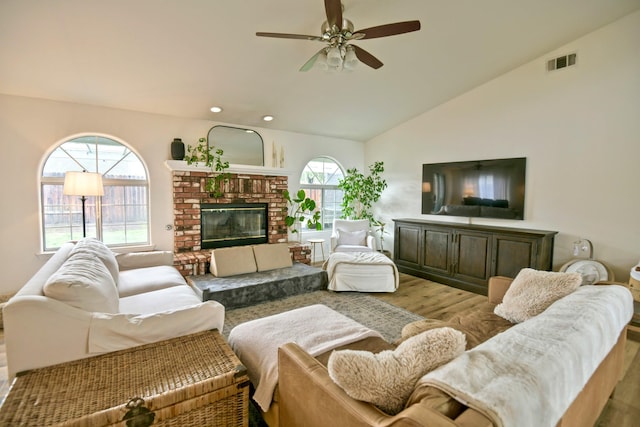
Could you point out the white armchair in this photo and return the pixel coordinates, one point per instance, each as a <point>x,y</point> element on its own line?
<point>352,236</point>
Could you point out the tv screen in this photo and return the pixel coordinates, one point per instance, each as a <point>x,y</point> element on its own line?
<point>481,188</point>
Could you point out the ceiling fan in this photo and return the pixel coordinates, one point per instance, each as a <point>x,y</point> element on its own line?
<point>337,33</point>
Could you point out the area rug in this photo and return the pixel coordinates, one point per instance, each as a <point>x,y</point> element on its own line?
<point>369,311</point>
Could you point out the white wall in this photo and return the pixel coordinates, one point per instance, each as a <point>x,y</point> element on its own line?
<point>579,128</point>
<point>29,128</point>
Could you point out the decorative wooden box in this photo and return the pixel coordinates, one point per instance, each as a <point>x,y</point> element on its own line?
<point>195,380</point>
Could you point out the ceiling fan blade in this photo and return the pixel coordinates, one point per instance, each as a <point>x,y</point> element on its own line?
<point>334,13</point>
<point>289,36</point>
<point>309,64</point>
<point>389,29</point>
<point>366,58</point>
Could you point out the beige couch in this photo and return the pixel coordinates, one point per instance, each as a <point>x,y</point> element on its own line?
<point>86,300</point>
<point>306,395</point>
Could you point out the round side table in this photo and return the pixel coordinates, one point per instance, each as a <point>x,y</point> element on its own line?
<point>313,243</point>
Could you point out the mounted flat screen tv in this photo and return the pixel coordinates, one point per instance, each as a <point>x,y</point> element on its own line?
<point>481,188</point>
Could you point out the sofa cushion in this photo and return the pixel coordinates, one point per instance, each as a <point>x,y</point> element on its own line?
<point>231,261</point>
<point>477,324</point>
<point>437,400</point>
<point>270,257</point>
<point>100,250</point>
<point>387,379</point>
<point>532,291</point>
<point>111,332</point>
<point>158,301</point>
<point>84,282</point>
<point>352,248</point>
<point>349,238</point>
<point>140,280</point>
<point>133,260</point>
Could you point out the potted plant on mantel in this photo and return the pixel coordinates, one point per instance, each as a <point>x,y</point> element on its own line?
<point>299,209</point>
<point>212,158</point>
<point>359,192</point>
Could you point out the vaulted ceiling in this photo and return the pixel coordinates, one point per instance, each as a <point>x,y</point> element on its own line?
<point>180,57</point>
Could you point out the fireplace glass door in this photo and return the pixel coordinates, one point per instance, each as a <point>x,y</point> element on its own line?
<point>233,224</point>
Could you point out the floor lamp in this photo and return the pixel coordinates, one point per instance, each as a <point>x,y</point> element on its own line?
<point>83,184</point>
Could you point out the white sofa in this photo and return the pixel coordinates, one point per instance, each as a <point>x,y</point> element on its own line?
<point>87,300</point>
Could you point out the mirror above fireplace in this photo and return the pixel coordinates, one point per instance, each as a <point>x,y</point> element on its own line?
<point>240,146</point>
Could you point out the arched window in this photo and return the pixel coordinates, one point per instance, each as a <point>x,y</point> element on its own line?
<point>119,218</point>
<point>320,180</point>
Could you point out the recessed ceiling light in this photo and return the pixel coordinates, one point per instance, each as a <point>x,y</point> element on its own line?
<point>267,118</point>
<point>216,109</point>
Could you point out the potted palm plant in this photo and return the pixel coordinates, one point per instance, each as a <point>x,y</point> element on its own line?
<point>359,192</point>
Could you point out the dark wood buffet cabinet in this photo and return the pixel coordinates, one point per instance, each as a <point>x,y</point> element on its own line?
<point>466,255</point>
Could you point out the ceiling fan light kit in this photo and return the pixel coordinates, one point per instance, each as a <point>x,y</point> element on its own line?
<point>339,54</point>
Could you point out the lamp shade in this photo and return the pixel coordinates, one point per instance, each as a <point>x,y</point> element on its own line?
<point>350,58</point>
<point>321,61</point>
<point>334,58</point>
<point>83,184</point>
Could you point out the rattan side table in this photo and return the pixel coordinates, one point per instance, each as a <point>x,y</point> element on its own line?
<point>195,380</point>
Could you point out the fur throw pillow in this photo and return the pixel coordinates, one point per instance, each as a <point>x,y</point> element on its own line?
<point>532,291</point>
<point>387,379</point>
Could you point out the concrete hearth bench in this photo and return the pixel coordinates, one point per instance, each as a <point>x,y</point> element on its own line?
<point>246,275</point>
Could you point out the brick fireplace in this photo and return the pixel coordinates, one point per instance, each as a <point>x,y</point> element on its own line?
<point>189,192</point>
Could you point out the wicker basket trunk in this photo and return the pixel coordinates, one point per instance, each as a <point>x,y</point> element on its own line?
<point>195,380</point>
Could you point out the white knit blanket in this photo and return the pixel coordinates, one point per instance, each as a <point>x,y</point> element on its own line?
<point>530,374</point>
<point>314,328</point>
<point>358,258</point>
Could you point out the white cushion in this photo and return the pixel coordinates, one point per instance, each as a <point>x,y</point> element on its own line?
<point>532,291</point>
<point>231,261</point>
<point>160,300</point>
<point>139,280</point>
<point>351,224</point>
<point>272,256</point>
<point>358,238</point>
<point>387,379</point>
<point>84,282</point>
<point>100,250</point>
<point>144,259</point>
<point>352,248</point>
<point>111,332</point>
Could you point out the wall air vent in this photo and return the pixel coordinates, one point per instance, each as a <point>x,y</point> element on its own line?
<point>562,62</point>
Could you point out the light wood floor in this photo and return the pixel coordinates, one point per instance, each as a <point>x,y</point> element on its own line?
<point>437,301</point>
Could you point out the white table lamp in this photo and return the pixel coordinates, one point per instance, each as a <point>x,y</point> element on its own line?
<point>83,184</point>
